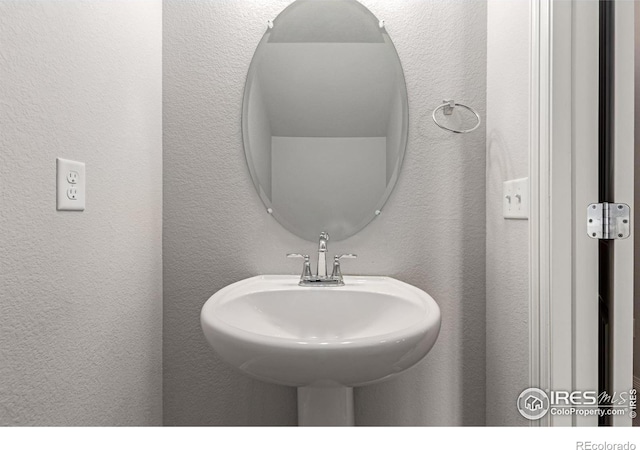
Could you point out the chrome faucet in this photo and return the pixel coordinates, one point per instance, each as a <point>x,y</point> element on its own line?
<point>321,279</point>
<point>322,254</point>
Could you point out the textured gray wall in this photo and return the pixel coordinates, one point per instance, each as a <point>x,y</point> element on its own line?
<point>216,231</point>
<point>81,293</point>
<point>507,240</point>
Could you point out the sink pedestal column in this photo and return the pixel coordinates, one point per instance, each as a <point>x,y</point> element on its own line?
<point>325,406</point>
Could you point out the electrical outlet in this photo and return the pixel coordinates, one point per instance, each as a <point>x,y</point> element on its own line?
<point>515,199</point>
<point>71,185</point>
<point>72,193</point>
<point>72,177</point>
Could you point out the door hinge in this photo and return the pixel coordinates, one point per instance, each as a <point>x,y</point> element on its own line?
<point>609,220</point>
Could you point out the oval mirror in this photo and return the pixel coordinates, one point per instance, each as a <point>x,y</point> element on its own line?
<point>325,118</point>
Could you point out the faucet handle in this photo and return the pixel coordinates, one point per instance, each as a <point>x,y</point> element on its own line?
<point>346,256</point>
<point>306,268</point>
<point>337,273</point>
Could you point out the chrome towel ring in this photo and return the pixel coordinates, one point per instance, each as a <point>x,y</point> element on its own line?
<point>447,107</point>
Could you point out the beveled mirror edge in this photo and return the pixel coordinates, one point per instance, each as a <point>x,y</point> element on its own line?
<point>378,209</point>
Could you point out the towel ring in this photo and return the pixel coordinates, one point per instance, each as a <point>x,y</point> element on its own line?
<point>447,107</point>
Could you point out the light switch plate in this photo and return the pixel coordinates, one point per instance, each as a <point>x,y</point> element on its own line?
<point>70,185</point>
<point>515,199</point>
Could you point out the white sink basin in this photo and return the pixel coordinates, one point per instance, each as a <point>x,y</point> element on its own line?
<point>323,340</point>
<point>276,331</point>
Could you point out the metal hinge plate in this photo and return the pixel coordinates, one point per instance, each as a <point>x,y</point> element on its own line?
<point>609,221</point>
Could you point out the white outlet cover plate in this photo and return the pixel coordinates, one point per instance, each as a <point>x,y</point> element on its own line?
<point>515,199</point>
<point>70,175</point>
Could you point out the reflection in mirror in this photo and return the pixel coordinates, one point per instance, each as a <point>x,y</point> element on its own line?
<point>325,118</point>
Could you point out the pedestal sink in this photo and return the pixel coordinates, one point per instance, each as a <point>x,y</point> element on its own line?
<point>322,340</point>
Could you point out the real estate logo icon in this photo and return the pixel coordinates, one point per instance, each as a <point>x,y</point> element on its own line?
<point>533,403</point>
